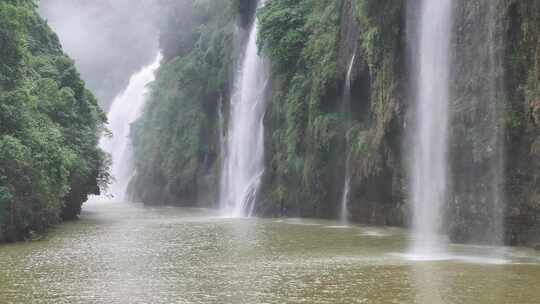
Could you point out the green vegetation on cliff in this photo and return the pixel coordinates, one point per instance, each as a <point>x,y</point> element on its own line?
<point>49,127</point>
<point>301,40</point>
<point>310,44</point>
<point>177,138</point>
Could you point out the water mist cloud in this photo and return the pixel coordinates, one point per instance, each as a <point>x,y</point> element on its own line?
<point>108,39</point>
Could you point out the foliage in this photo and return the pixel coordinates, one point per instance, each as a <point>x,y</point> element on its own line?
<point>301,39</point>
<point>49,126</point>
<point>176,138</point>
<point>381,22</point>
<point>283,32</point>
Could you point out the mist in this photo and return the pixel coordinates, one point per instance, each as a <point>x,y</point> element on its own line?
<point>109,40</point>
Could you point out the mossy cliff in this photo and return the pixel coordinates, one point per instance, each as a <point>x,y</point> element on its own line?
<point>310,45</point>
<point>309,131</point>
<point>177,138</point>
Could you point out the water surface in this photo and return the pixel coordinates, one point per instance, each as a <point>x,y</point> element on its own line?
<point>126,253</point>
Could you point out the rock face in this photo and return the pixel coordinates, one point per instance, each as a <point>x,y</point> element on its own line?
<point>494,127</point>
<point>477,127</point>
<point>522,79</point>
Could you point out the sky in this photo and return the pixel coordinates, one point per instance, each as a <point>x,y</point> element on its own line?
<point>109,40</point>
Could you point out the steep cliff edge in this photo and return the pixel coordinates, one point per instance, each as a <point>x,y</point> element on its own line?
<point>493,130</point>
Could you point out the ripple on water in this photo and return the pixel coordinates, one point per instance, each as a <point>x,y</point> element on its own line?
<point>121,253</point>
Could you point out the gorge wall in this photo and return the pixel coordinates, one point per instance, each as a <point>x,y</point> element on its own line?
<point>494,144</point>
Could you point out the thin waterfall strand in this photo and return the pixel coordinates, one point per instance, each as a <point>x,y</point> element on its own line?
<point>344,216</point>
<point>496,92</point>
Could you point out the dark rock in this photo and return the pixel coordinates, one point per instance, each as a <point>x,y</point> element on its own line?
<point>11,234</point>
<point>535,112</point>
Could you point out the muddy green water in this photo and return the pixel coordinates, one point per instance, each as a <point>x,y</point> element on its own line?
<point>126,253</point>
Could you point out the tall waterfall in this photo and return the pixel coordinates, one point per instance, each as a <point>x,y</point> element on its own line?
<point>496,114</point>
<point>244,153</point>
<point>431,85</point>
<point>344,216</point>
<point>125,109</point>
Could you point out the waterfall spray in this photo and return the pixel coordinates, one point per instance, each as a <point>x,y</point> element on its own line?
<point>125,109</point>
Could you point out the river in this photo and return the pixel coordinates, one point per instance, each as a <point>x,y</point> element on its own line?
<point>129,253</point>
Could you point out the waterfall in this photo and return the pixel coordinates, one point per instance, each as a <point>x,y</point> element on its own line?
<point>244,153</point>
<point>344,216</point>
<point>430,139</point>
<point>125,109</point>
<point>222,135</point>
<point>496,124</point>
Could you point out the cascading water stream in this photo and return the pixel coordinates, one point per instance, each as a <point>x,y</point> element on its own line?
<point>496,92</point>
<point>244,153</point>
<point>429,171</point>
<point>125,109</point>
<point>344,215</point>
<point>222,135</point>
